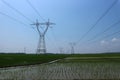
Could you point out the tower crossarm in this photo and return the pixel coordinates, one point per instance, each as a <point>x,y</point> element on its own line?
<point>41,45</point>
<point>48,23</point>
<point>37,24</point>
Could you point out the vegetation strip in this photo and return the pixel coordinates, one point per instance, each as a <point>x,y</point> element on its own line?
<point>10,60</point>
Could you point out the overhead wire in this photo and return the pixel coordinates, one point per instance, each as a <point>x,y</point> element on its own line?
<point>35,9</point>
<point>10,6</point>
<point>13,18</point>
<point>54,37</point>
<point>37,13</point>
<point>109,35</point>
<point>98,20</point>
<point>112,34</point>
<point>100,38</point>
<point>107,29</point>
<point>30,4</point>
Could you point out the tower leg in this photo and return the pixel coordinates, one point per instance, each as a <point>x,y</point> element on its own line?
<point>41,49</point>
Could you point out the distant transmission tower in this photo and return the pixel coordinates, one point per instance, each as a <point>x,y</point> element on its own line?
<point>61,50</point>
<point>72,47</point>
<point>41,49</point>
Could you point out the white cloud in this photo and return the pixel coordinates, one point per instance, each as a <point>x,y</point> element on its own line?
<point>103,42</point>
<point>114,40</point>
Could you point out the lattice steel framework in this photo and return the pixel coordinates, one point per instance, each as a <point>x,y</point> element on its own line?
<point>41,48</point>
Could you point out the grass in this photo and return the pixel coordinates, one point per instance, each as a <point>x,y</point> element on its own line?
<point>7,60</point>
<point>95,58</point>
<point>97,55</point>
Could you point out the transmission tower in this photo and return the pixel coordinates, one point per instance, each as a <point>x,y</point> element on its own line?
<point>61,50</point>
<point>72,47</point>
<point>41,48</point>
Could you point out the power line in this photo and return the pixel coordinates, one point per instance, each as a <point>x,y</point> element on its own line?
<point>16,10</point>
<point>53,34</point>
<point>13,18</point>
<point>112,34</point>
<point>99,19</point>
<point>107,36</point>
<point>72,44</point>
<point>37,13</point>
<point>41,49</point>
<point>35,9</point>
<point>97,35</point>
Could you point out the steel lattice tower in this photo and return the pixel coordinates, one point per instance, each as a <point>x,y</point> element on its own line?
<point>72,47</point>
<point>41,48</point>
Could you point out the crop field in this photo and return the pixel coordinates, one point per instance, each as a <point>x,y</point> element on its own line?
<point>7,60</point>
<point>73,67</point>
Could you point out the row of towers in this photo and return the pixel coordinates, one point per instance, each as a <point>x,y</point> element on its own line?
<point>42,29</point>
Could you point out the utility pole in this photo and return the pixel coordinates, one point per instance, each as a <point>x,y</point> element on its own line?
<point>41,48</point>
<point>72,44</point>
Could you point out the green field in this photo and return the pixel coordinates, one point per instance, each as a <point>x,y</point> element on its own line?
<point>7,60</point>
<point>69,67</point>
<point>95,58</point>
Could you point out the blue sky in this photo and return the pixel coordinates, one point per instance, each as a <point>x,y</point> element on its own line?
<point>73,18</point>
